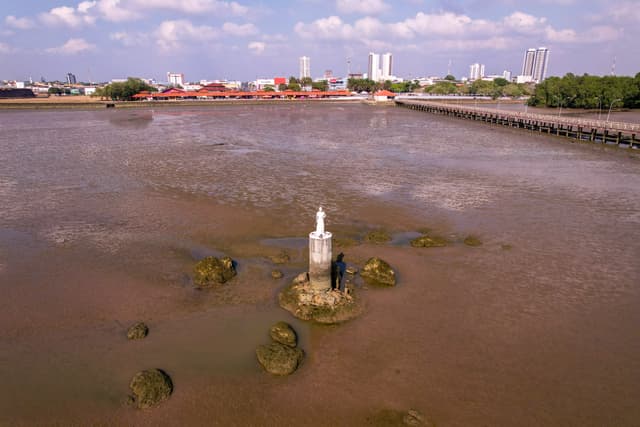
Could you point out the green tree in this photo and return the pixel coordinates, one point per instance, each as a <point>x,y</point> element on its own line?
<point>500,82</point>
<point>124,91</point>
<point>54,91</point>
<point>321,85</point>
<point>359,85</point>
<point>282,87</point>
<point>306,81</point>
<point>450,77</point>
<point>268,88</point>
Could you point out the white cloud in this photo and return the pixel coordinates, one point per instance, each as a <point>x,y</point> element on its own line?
<point>239,30</point>
<point>257,48</point>
<point>191,6</point>
<point>5,48</point>
<point>68,16</point>
<point>364,7</point>
<point>114,11</point>
<point>129,39</point>
<point>18,23</point>
<point>331,28</point>
<point>72,47</point>
<point>174,34</point>
<point>523,22</point>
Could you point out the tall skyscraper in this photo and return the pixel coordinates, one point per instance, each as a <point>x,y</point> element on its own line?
<point>71,78</point>
<point>387,64</point>
<point>535,63</point>
<point>476,71</point>
<point>176,79</point>
<point>373,72</point>
<point>305,67</point>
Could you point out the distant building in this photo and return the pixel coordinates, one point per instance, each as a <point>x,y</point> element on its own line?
<point>387,65</point>
<point>305,67</point>
<point>176,79</point>
<point>506,74</point>
<point>373,70</point>
<point>71,79</point>
<point>535,64</point>
<point>476,71</point>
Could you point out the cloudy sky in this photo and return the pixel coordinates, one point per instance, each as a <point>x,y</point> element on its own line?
<point>245,39</point>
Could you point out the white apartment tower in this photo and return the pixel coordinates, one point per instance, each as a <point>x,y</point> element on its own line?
<point>176,79</point>
<point>535,63</point>
<point>476,71</point>
<point>387,64</point>
<point>305,67</point>
<point>373,72</point>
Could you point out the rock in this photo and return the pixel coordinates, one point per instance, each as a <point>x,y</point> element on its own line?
<point>150,387</point>
<point>280,258</point>
<point>414,418</point>
<point>279,359</point>
<point>351,270</point>
<point>427,241</point>
<point>283,333</point>
<point>138,331</point>
<point>277,274</point>
<point>377,236</point>
<point>327,307</point>
<point>472,241</point>
<point>211,271</point>
<point>378,272</point>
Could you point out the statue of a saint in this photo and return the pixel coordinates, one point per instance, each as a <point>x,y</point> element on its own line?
<point>320,221</point>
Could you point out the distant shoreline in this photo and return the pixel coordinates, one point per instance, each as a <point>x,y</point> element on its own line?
<point>86,102</point>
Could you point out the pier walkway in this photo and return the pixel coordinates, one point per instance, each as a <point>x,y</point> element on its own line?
<point>620,133</point>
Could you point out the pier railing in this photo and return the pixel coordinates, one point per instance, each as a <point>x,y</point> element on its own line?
<point>548,118</point>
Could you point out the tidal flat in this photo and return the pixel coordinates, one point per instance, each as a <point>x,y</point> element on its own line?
<point>103,215</point>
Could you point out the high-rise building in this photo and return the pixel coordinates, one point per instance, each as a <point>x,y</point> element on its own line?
<point>305,67</point>
<point>535,63</point>
<point>387,64</point>
<point>71,79</point>
<point>476,71</point>
<point>176,79</point>
<point>373,71</point>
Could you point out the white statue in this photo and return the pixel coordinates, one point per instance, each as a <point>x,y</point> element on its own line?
<point>320,221</point>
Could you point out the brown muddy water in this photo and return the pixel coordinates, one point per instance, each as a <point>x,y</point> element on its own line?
<point>103,215</point>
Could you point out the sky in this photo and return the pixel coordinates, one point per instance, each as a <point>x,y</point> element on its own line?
<point>99,40</point>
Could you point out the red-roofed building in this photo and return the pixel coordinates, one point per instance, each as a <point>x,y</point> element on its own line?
<point>383,95</point>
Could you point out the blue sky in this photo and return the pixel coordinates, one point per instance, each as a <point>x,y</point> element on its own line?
<point>245,39</point>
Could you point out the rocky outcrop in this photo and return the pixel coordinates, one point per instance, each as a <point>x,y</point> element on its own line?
<point>280,258</point>
<point>150,387</point>
<point>277,274</point>
<point>138,331</point>
<point>428,241</point>
<point>281,357</point>
<point>378,272</point>
<point>283,333</point>
<point>212,271</point>
<point>325,306</point>
<point>377,236</point>
<point>472,241</point>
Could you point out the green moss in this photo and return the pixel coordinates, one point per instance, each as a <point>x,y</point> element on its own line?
<point>150,388</point>
<point>428,241</point>
<point>506,247</point>
<point>377,236</point>
<point>211,271</point>
<point>377,271</point>
<point>472,241</point>
<point>279,359</point>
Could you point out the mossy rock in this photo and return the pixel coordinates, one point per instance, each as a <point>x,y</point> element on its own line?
<point>277,274</point>
<point>428,241</point>
<point>281,257</point>
<point>344,242</point>
<point>472,241</point>
<point>212,271</point>
<point>138,331</point>
<point>279,359</point>
<point>150,387</point>
<point>377,236</point>
<point>283,333</point>
<point>377,271</point>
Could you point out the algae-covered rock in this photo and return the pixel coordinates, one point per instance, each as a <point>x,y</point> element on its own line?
<point>280,258</point>
<point>283,333</point>
<point>211,271</point>
<point>150,387</point>
<point>277,274</point>
<point>327,307</point>
<point>428,241</point>
<point>472,241</point>
<point>377,236</point>
<point>279,359</point>
<point>378,272</point>
<point>138,331</point>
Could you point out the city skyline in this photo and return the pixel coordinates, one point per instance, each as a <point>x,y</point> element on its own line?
<point>244,40</point>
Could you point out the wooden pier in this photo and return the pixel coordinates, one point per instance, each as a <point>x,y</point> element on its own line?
<point>619,133</point>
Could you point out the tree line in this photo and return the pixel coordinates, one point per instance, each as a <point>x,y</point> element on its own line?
<point>124,91</point>
<point>587,91</point>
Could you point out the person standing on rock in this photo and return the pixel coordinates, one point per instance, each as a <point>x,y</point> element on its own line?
<point>341,267</point>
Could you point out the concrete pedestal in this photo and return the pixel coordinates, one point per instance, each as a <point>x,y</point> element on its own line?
<point>320,260</point>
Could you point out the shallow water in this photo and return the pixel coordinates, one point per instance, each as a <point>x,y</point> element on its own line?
<point>103,214</point>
